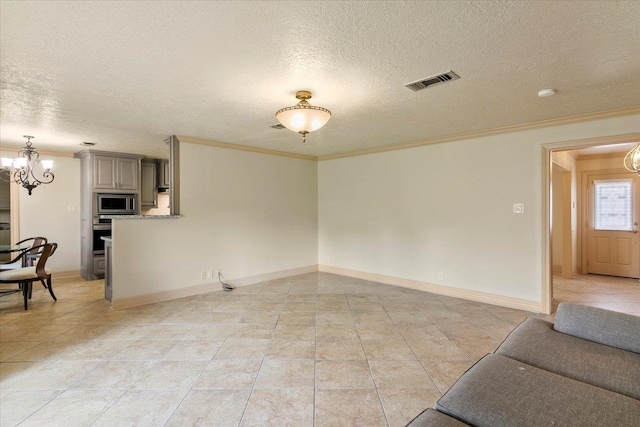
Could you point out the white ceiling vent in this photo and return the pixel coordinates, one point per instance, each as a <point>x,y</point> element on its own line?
<point>432,81</point>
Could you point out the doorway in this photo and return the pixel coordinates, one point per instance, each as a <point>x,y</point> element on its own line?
<point>583,162</point>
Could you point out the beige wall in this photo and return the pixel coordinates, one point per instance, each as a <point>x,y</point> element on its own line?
<point>46,213</point>
<point>447,209</point>
<point>246,213</point>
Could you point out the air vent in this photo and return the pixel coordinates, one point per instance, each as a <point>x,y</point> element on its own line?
<point>278,126</point>
<point>432,81</point>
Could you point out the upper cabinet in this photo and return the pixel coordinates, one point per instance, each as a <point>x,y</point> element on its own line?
<point>163,174</point>
<point>104,172</point>
<point>155,179</point>
<point>107,172</point>
<point>128,172</point>
<point>148,190</point>
<point>116,173</point>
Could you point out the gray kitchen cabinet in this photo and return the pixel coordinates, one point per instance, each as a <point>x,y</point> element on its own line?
<point>115,173</point>
<point>127,173</point>
<point>102,172</point>
<point>148,184</point>
<point>163,174</point>
<point>98,265</point>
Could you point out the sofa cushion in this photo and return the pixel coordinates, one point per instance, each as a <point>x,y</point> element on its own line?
<point>432,418</point>
<point>499,391</point>
<point>602,326</point>
<point>536,343</point>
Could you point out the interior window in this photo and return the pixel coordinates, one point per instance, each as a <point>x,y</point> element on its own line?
<point>613,210</point>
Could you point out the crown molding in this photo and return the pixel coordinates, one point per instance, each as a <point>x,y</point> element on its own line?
<point>211,143</point>
<point>621,112</point>
<point>10,148</point>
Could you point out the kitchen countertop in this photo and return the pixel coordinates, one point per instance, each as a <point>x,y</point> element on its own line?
<point>139,216</point>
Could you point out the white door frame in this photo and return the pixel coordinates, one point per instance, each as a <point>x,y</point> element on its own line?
<point>547,165</point>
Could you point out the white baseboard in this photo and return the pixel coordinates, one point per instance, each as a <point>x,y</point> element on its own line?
<point>477,296</point>
<point>503,301</point>
<point>128,302</point>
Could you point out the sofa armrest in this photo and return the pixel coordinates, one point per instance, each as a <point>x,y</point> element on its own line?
<point>606,327</point>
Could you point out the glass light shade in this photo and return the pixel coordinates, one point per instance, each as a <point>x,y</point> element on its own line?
<point>47,164</point>
<point>6,162</point>
<point>632,160</point>
<point>303,118</point>
<point>19,162</point>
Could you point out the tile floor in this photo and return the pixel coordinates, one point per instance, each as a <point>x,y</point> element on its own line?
<point>315,349</point>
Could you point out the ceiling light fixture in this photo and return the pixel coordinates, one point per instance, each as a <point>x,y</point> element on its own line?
<point>632,160</point>
<point>24,165</point>
<point>303,117</point>
<point>547,92</point>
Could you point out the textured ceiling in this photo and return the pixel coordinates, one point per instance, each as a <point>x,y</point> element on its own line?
<point>128,74</point>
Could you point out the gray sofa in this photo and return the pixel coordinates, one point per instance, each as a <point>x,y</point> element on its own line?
<point>583,370</point>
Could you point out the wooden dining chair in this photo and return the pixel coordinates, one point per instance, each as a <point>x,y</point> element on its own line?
<point>25,276</point>
<point>29,258</point>
<point>34,253</point>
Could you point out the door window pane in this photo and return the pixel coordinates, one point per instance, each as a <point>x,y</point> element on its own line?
<point>613,205</point>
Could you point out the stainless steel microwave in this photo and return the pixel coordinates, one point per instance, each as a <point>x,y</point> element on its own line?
<point>116,204</point>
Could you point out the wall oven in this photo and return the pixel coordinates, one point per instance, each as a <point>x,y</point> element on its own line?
<point>98,232</point>
<point>116,204</point>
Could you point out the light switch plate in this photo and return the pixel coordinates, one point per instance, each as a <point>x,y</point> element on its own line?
<point>518,208</point>
<point>71,208</point>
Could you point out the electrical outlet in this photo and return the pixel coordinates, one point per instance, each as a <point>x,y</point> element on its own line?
<point>518,208</point>
<point>210,274</point>
<point>203,275</point>
<point>440,276</point>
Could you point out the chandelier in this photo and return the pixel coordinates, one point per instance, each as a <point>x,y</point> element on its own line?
<point>303,117</point>
<point>22,168</point>
<point>632,160</point>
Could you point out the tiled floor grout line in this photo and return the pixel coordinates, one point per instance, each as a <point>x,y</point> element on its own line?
<point>375,385</point>
<point>415,355</point>
<point>315,362</point>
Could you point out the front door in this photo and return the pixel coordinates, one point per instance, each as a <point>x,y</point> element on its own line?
<point>614,212</point>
